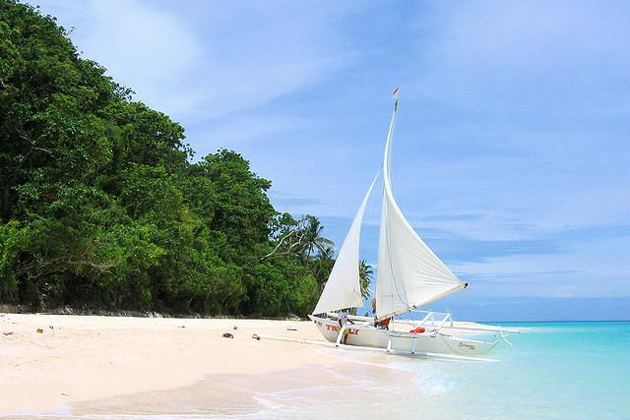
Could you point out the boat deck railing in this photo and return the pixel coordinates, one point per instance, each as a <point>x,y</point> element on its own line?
<point>435,321</point>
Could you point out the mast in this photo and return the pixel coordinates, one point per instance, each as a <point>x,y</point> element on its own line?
<point>409,274</point>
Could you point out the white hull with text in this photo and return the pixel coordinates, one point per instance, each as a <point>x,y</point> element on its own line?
<point>449,338</point>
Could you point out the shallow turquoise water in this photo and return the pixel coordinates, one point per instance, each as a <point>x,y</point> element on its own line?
<point>572,371</point>
<point>576,370</point>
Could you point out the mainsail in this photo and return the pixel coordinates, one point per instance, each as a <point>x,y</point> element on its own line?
<point>409,273</point>
<point>343,289</point>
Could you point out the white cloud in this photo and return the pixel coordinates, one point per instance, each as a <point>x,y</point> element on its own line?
<point>527,56</point>
<point>231,133</point>
<point>144,47</point>
<point>586,268</point>
<point>202,61</point>
<point>257,52</point>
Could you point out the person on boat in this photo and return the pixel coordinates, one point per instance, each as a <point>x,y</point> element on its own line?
<point>343,319</point>
<point>373,306</point>
<point>382,324</point>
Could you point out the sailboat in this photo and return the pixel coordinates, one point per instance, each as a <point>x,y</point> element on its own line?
<point>409,276</point>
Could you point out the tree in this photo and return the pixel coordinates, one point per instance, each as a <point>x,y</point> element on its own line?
<point>366,275</point>
<point>322,265</point>
<point>302,238</point>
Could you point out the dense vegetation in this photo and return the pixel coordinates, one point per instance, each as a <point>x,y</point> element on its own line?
<point>102,205</point>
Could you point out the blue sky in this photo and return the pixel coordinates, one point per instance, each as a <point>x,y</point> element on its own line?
<point>512,154</point>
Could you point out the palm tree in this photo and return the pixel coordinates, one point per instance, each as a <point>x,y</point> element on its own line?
<point>304,240</point>
<point>366,274</point>
<point>313,242</point>
<point>322,266</point>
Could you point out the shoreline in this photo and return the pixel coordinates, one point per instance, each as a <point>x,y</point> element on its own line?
<point>78,359</point>
<point>11,309</point>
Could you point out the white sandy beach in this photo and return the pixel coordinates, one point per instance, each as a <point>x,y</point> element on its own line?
<point>78,360</point>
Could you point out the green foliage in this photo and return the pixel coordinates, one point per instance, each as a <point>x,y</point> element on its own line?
<point>101,207</point>
<point>366,275</point>
<point>14,240</point>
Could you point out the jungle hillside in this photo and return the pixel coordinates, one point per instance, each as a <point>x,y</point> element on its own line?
<point>104,206</point>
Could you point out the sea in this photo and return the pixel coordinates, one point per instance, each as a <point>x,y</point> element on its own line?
<point>552,370</point>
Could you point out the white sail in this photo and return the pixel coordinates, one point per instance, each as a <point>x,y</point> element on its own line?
<point>343,289</point>
<point>409,273</point>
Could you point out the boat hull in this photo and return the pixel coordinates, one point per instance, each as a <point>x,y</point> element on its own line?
<point>403,341</point>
